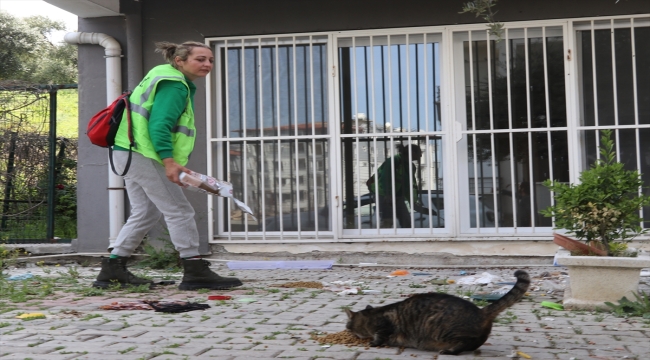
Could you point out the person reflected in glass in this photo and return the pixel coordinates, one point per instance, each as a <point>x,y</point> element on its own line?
<point>522,195</point>
<point>523,204</point>
<point>403,187</point>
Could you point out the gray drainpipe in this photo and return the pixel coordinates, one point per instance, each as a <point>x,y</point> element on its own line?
<point>113,54</point>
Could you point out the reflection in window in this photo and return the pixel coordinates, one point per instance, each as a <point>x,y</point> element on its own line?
<point>390,100</point>
<point>517,83</point>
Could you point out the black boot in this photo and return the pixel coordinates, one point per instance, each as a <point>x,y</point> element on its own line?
<point>197,275</point>
<point>114,271</point>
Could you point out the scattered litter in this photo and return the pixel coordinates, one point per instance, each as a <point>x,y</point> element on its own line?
<point>348,287</point>
<point>177,307</point>
<point>370,292</point>
<point>158,306</point>
<point>518,354</point>
<point>399,273</point>
<point>31,316</point>
<point>493,295</point>
<point>463,272</point>
<point>247,300</point>
<point>344,283</point>
<point>451,281</point>
<point>130,305</point>
<point>483,279</point>
<point>352,291</point>
<point>420,274</point>
<point>552,305</point>
<point>524,355</point>
<point>548,319</point>
<point>21,277</point>
<point>219,297</point>
<point>486,297</point>
<point>287,264</point>
<point>551,286</point>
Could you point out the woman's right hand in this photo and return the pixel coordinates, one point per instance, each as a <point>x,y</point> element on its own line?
<point>173,170</point>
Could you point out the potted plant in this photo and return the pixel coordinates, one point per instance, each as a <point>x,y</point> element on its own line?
<point>603,210</point>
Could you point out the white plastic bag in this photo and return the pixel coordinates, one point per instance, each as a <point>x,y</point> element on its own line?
<point>210,185</point>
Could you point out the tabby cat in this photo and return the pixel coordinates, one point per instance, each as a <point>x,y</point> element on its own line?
<point>433,321</point>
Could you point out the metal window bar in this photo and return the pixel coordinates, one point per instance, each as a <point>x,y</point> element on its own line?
<point>530,135</point>
<point>636,106</point>
<point>614,82</point>
<point>488,46</point>
<point>473,116</point>
<point>549,133</point>
<point>313,131</point>
<point>355,106</point>
<point>227,154</point>
<point>594,80</point>
<point>279,207</point>
<point>513,179</point>
<point>296,132</point>
<point>261,144</point>
<point>374,139</point>
<point>410,128</point>
<point>427,158</point>
<point>392,143</point>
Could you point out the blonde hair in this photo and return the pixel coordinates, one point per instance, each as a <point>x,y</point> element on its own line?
<point>170,50</point>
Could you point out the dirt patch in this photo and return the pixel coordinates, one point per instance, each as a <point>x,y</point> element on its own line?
<point>300,284</point>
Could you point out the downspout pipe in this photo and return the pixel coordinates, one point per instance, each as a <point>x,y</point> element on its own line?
<point>113,55</point>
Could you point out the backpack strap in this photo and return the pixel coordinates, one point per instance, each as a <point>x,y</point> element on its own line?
<point>127,108</point>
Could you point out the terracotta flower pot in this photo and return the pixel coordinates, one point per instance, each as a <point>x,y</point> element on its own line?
<point>577,247</point>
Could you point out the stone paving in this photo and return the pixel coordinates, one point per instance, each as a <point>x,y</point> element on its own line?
<point>265,321</point>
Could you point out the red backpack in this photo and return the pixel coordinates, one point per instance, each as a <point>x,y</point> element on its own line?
<point>103,126</point>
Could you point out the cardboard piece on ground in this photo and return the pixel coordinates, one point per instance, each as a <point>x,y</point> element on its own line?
<point>282,264</point>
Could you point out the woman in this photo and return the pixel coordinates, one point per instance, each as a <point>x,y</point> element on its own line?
<point>162,113</point>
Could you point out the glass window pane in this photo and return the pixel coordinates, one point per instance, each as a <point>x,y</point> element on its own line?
<point>390,88</point>
<point>267,83</point>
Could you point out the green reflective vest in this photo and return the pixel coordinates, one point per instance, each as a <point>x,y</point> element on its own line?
<point>141,102</point>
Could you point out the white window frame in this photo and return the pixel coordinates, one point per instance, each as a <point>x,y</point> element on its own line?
<point>452,129</point>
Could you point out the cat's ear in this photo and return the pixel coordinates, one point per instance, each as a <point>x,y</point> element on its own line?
<point>369,307</point>
<point>350,313</point>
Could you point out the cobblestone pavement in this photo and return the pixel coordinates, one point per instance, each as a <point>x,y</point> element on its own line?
<point>265,321</point>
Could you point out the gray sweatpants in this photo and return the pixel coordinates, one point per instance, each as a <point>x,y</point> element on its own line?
<point>152,194</point>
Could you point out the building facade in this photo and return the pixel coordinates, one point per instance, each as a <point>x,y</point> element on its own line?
<point>308,99</point>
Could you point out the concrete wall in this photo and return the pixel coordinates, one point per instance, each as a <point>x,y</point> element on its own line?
<point>177,21</point>
<point>92,168</point>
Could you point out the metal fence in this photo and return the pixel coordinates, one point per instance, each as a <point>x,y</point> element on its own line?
<point>38,172</point>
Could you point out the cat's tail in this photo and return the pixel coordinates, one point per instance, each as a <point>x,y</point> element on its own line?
<point>515,294</point>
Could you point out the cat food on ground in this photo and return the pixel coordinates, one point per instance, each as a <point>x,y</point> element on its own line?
<point>342,338</point>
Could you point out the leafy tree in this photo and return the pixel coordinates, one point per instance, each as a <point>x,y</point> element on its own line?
<point>26,53</point>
